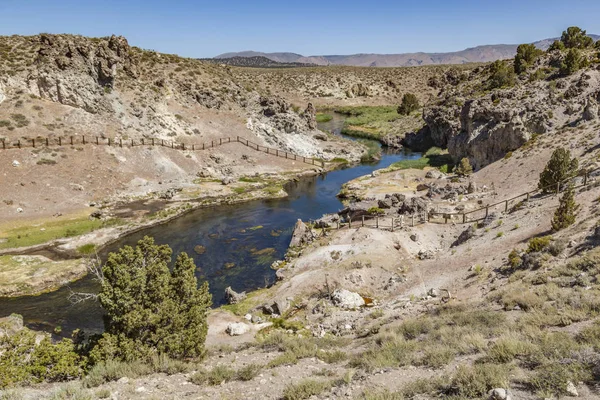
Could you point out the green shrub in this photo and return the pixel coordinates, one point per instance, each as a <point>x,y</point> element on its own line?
<point>320,117</point>
<point>111,370</point>
<point>150,309</point>
<point>538,244</point>
<point>89,248</point>
<point>216,376</point>
<point>409,104</point>
<point>501,75</point>
<point>24,362</point>
<point>556,45</point>
<point>464,168</point>
<point>553,377</point>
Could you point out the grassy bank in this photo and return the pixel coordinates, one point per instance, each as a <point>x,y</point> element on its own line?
<point>375,122</point>
<point>323,117</point>
<point>434,157</point>
<point>31,233</point>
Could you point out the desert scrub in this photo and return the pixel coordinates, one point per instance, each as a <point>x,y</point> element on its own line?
<point>305,389</point>
<point>216,376</point>
<point>475,381</point>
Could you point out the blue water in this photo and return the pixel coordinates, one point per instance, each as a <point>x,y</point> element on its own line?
<point>241,241</point>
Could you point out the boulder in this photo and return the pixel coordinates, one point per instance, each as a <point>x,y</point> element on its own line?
<point>237,328</point>
<point>232,296</point>
<point>422,186</point>
<point>310,115</point>
<point>590,112</point>
<point>228,180</point>
<point>472,188</point>
<point>571,390</point>
<point>346,299</point>
<point>301,235</point>
<point>498,394</point>
<point>15,163</point>
<point>433,174</point>
<point>464,236</point>
<point>384,203</point>
<point>425,255</point>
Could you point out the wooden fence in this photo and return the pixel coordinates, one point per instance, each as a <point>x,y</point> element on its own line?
<point>99,141</point>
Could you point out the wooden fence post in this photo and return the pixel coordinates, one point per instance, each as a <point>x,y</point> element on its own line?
<point>19,143</point>
<point>349,222</point>
<point>33,142</point>
<point>121,142</point>
<point>47,142</point>
<point>132,144</point>
<point>220,141</point>
<point>3,144</point>
<point>60,141</point>
<point>558,188</point>
<point>109,141</point>
<point>142,141</point>
<point>96,140</point>
<point>527,196</point>
<point>193,147</point>
<point>506,206</point>
<point>464,217</point>
<point>202,146</point>
<point>585,178</point>
<point>71,140</point>
<point>363,220</point>
<point>83,138</point>
<point>377,222</point>
<point>392,224</point>
<point>487,210</point>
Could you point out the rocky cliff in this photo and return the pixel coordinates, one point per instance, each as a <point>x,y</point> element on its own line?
<point>484,125</point>
<point>109,88</point>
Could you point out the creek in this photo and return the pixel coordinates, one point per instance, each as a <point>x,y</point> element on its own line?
<point>240,243</point>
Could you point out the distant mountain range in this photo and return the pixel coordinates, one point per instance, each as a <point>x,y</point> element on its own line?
<point>483,53</point>
<point>255,61</point>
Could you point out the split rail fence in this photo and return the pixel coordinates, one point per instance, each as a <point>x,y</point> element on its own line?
<point>99,141</point>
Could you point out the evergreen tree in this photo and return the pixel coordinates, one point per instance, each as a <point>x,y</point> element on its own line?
<point>464,168</point>
<point>556,45</point>
<point>576,38</point>
<point>409,104</point>
<point>572,62</point>
<point>566,212</point>
<point>525,57</point>
<point>149,309</point>
<point>501,75</point>
<point>560,168</point>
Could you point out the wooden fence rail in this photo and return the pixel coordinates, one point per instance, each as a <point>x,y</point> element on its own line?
<point>99,141</point>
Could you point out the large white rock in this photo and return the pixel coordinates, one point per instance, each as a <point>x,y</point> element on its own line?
<point>237,328</point>
<point>346,299</point>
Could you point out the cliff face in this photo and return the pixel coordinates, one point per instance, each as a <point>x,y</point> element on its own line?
<point>484,125</point>
<point>107,87</point>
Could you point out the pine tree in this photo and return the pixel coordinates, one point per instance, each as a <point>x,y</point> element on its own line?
<point>566,212</point>
<point>150,309</point>
<point>559,169</point>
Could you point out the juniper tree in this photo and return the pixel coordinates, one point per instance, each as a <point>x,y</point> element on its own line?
<point>572,62</point>
<point>409,104</point>
<point>560,168</point>
<point>149,309</point>
<point>501,75</point>
<point>566,212</point>
<point>576,38</point>
<point>526,55</point>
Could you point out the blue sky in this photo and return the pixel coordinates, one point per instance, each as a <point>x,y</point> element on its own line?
<point>205,29</point>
